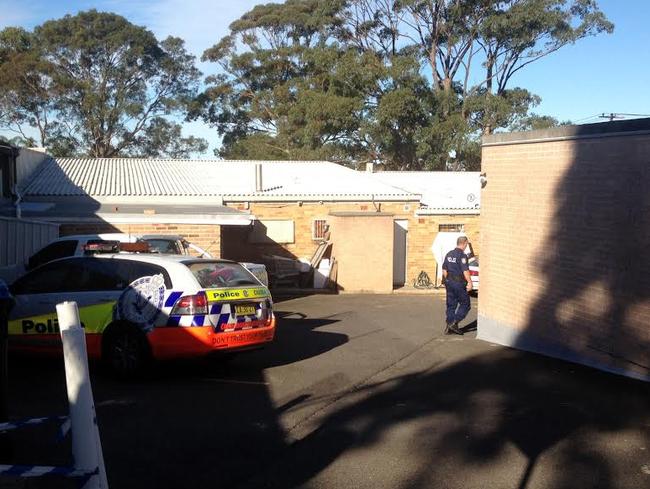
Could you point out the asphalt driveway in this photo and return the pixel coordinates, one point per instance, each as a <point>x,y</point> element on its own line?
<point>357,391</point>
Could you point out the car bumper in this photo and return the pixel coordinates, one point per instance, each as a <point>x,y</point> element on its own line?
<point>175,342</point>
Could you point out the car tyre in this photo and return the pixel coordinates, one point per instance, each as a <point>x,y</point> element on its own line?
<point>126,351</point>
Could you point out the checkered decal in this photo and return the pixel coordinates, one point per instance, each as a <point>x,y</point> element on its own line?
<point>222,317</point>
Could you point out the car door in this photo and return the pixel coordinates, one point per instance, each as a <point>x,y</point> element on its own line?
<point>143,304</point>
<point>33,318</point>
<point>94,284</point>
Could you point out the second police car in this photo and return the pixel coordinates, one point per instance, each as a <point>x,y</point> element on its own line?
<point>135,307</point>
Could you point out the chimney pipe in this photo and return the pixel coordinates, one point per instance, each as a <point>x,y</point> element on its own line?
<point>258,178</point>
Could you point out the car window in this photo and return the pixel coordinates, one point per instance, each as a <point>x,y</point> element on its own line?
<point>58,276</point>
<point>165,246</point>
<point>101,275</point>
<point>53,251</point>
<point>137,269</point>
<point>221,274</point>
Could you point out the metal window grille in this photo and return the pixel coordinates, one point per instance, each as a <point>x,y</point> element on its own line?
<point>451,228</point>
<point>318,229</point>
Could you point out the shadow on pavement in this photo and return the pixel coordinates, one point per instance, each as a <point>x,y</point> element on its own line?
<point>192,423</point>
<point>461,423</point>
<point>500,418</point>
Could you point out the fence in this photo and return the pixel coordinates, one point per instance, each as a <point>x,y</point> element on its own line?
<point>19,239</point>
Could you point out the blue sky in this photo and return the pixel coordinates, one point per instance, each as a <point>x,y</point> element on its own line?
<point>608,73</point>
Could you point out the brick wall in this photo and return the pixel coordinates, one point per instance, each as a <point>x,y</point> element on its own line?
<point>207,236</point>
<point>422,230</point>
<point>565,227</point>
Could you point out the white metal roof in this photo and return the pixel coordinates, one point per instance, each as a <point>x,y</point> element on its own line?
<point>229,180</point>
<point>449,192</point>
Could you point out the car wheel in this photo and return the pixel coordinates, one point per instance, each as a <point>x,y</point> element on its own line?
<point>126,351</point>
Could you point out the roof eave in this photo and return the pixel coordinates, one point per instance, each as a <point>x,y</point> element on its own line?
<point>449,212</point>
<point>323,198</point>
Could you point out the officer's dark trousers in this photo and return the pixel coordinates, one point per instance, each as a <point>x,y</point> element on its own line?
<point>457,301</point>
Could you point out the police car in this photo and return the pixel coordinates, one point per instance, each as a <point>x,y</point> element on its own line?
<point>135,307</point>
<point>473,272</point>
<point>75,245</point>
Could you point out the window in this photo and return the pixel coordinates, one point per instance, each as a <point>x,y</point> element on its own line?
<point>165,246</point>
<point>216,274</point>
<point>319,229</point>
<point>451,228</point>
<point>60,276</point>
<point>53,251</point>
<point>101,275</point>
<point>138,269</point>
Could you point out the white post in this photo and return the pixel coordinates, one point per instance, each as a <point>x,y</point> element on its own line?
<point>86,445</point>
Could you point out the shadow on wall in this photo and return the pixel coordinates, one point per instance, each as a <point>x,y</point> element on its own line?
<point>595,306</point>
<point>258,244</point>
<point>239,244</point>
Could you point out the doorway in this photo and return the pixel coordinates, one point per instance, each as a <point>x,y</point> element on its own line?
<point>400,233</point>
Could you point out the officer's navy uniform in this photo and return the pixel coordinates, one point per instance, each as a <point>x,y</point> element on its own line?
<point>458,304</point>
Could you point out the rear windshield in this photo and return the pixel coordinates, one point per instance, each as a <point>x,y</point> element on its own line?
<point>219,274</point>
<point>164,246</point>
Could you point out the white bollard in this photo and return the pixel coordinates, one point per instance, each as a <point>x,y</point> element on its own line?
<point>86,445</point>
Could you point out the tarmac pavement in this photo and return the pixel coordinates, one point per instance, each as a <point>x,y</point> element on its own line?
<point>357,391</point>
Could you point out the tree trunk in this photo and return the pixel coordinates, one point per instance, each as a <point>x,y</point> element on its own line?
<point>487,128</point>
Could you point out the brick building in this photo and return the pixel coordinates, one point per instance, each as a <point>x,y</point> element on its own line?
<point>244,210</point>
<point>565,224</point>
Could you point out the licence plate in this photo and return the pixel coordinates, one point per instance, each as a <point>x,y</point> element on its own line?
<point>245,310</point>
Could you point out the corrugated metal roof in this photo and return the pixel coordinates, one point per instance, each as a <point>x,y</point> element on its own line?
<point>136,177</point>
<point>441,191</point>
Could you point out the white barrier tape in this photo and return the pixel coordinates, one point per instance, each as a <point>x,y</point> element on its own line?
<point>64,429</point>
<point>25,471</point>
<point>13,425</point>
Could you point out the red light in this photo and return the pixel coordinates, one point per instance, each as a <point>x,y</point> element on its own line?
<point>190,305</point>
<point>200,300</point>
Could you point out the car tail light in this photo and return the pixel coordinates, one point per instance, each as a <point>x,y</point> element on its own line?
<point>190,305</point>
<point>266,313</point>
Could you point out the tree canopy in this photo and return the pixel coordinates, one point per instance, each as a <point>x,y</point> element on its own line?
<point>95,84</point>
<point>411,84</point>
<point>408,83</point>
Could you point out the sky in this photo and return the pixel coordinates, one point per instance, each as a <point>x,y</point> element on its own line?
<point>603,74</point>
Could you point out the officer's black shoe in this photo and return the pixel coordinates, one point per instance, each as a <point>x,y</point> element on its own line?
<point>448,329</point>
<point>454,329</point>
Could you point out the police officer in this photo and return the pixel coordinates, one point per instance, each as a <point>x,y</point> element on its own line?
<point>458,283</point>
